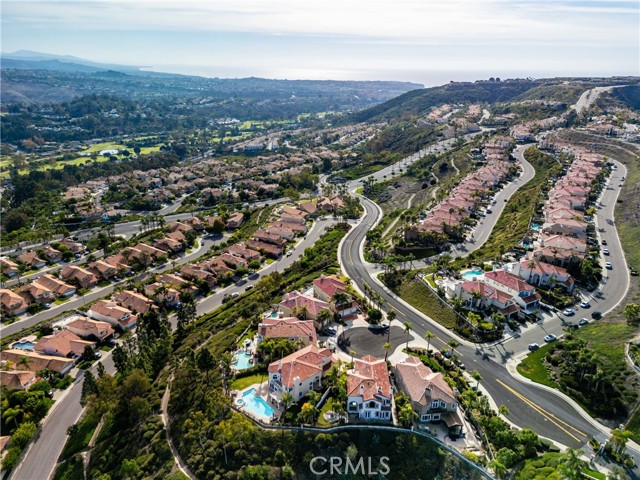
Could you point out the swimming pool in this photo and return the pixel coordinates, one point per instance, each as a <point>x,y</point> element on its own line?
<point>472,274</point>
<point>535,226</point>
<point>242,361</point>
<point>256,405</point>
<point>23,345</point>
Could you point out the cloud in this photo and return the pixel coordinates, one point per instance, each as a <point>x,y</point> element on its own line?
<point>395,21</point>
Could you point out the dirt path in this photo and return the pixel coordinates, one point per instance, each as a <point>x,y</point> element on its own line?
<point>164,416</point>
<point>393,224</point>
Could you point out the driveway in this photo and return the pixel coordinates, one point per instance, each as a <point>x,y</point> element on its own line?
<point>371,342</point>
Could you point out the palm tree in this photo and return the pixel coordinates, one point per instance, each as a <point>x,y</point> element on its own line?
<point>387,347</point>
<point>407,414</point>
<point>619,439</point>
<point>453,344</point>
<point>429,336</point>
<point>571,465</point>
<point>502,410</point>
<point>339,299</point>
<point>324,317</point>
<point>392,315</point>
<point>477,377</point>
<point>407,328</point>
<point>314,397</point>
<point>286,400</point>
<point>353,353</point>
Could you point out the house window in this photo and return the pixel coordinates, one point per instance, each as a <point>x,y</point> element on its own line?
<point>426,417</point>
<point>436,417</point>
<point>299,394</point>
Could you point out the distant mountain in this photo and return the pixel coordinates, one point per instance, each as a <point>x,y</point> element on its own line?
<point>29,60</point>
<point>418,102</point>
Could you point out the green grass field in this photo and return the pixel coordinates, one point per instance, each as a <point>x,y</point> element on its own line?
<point>532,367</point>
<point>421,297</point>
<point>244,382</point>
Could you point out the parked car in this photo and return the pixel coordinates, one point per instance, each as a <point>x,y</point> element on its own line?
<point>568,312</point>
<point>596,315</point>
<point>248,287</point>
<point>571,325</point>
<point>289,253</point>
<point>583,321</point>
<point>98,355</point>
<point>47,305</point>
<point>605,251</point>
<point>234,294</point>
<point>550,338</point>
<point>608,266</point>
<point>533,347</point>
<point>604,242</point>
<point>585,304</point>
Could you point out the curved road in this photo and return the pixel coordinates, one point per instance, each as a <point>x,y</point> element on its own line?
<point>530,405</point>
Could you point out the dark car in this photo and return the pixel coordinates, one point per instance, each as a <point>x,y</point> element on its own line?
<point>596,315</point>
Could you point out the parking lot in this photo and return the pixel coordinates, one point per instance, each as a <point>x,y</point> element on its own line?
<point>366,341</point>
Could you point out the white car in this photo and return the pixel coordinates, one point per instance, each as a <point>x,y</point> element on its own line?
<point>568,312</point>
<point>585,304</point>
<point>550,338</point>
<point>605,251</point>
<point>608,266</point>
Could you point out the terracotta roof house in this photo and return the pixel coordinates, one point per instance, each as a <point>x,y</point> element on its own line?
<point>293,218</point>
<point>430,395</point>
<point>299,373</point>
<point>119,261</point>
<point>180,227</point>
<point>235,220</point>
<point>112,313</point>
<point>291,328</point>
<point>369,390</point>
<point>478,296</point>
<point>538,273</point>
<point>18,379</point>
<point>293,226</point>
<point>326,287</point>
<point>170,297</point>
<point>36,293</point>
<point>60,288</point>
<point>295,302</point>
<point>132,254</point>
<point>241,251</point>
<point>168,245</point>
<point>154,252</point>
<point>75,247</point>
<point>172,280</point>
<point>8,267</point>
<point>566,226</point>
<point>62,344</point>
<point>195,223</point>
<point>12,304</point>
<point>133,301</point>
<point>52,254</point>
<point>197,273</point>
<point>36,362</point>
<point>79,276</point>
<point>91,329</point>
<point>523,293</point>
<point>103,269</point>
<point>309,208</point>
<point>265,248</point>
<point>232,260</point>
<point>295,211</point>
<point>32,260</point>
<point>264,236</point>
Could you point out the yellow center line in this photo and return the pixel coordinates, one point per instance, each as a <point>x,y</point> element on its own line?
<point>549,416</point>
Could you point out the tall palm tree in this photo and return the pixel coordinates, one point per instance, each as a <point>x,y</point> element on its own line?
<point>477,377</point>
<point>392,315</point>
<point>570,466</point>
<point>429,336</point>
<point>407,414</point>
<point>286,400</point>
<point>619,439</point>
<point>499,470</point>
<point>387,347</point>
<point>407,328</point>
<point>453,344</point>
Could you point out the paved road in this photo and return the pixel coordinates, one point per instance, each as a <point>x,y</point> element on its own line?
<point>530,405</point>
<point>589,97</point>
<point>78,301</point>
<point>40,460</point>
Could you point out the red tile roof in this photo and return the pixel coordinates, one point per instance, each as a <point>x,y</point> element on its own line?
<point>373,375</point>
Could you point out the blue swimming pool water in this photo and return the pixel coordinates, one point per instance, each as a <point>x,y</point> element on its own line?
<point>535,226</point>
<point>257,405</point>
<point>472,274</point>
<point>23,345</point>
<point>242,361</point>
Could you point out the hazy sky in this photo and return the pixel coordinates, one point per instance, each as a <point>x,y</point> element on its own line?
<point>426,41</point>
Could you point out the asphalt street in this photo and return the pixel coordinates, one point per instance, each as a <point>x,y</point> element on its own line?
<point>530,405</point>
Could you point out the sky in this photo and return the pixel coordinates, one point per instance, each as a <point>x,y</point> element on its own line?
<point>424,41</point>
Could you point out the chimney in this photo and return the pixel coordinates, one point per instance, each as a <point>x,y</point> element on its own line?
<point>280,365</point>
<point>361,389</point>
